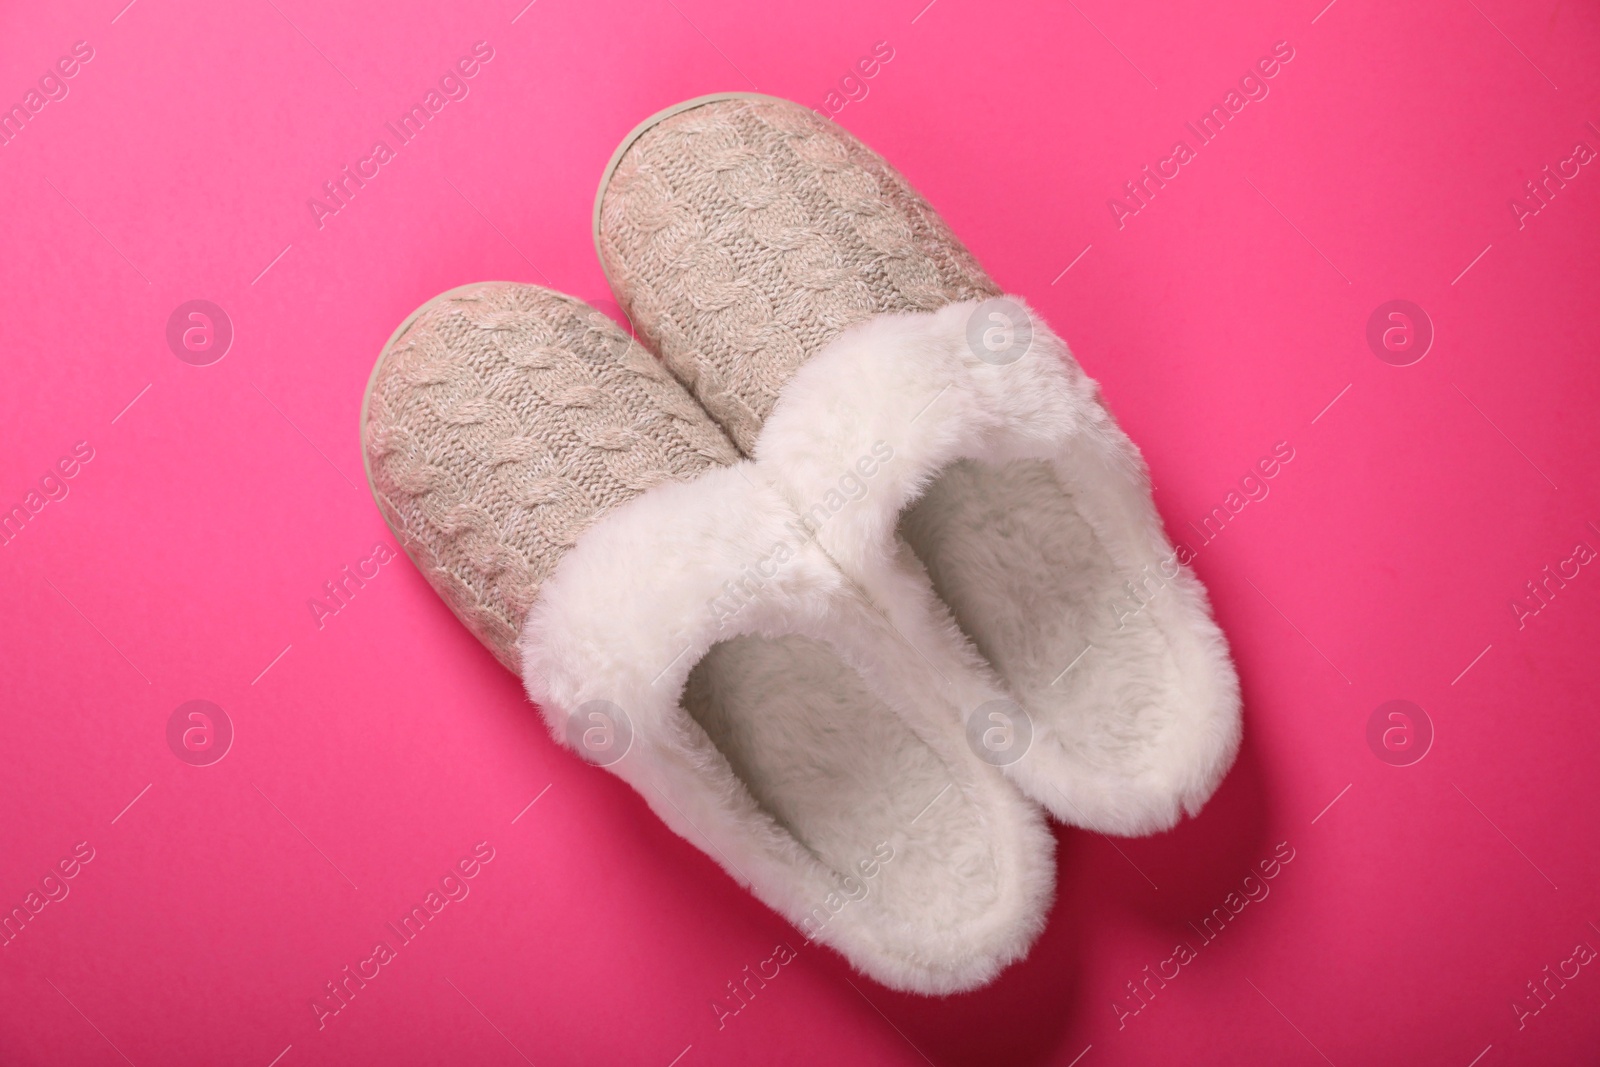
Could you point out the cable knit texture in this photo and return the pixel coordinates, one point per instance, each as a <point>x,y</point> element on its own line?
<point>502,421</point>
<point>744,234</point>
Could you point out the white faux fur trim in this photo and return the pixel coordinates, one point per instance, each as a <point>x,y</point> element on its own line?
<point>833,736</point>
<point>1012,488</point>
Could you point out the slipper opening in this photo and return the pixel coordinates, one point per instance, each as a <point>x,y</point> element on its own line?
<point>833,765</point>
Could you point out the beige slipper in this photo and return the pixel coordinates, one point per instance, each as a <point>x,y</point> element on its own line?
<point>820,310</point>
<point>579,511</point>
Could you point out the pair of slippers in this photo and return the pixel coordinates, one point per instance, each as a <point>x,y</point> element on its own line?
<point>850,582</point>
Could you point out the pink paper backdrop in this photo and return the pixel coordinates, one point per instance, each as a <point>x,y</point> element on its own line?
<point>373,750</point>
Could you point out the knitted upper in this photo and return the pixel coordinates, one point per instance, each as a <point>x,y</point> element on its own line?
<point>744,234</point>
<point>502,421</point>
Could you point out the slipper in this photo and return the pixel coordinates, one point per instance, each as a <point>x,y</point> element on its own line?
<point>585,518</point>
<point>819,309</point>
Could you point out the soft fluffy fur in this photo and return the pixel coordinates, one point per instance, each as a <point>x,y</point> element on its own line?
<point>790,737</point>
<point>1014,497</point>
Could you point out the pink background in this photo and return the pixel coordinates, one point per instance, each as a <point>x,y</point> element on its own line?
<point>378,749</point>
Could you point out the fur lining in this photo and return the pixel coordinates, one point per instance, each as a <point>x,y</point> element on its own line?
<point>1012,494</point>
<point>783,727</point>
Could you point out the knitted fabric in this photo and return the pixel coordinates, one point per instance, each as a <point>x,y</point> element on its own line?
<point>502,421</point>
<point>744,234</point>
